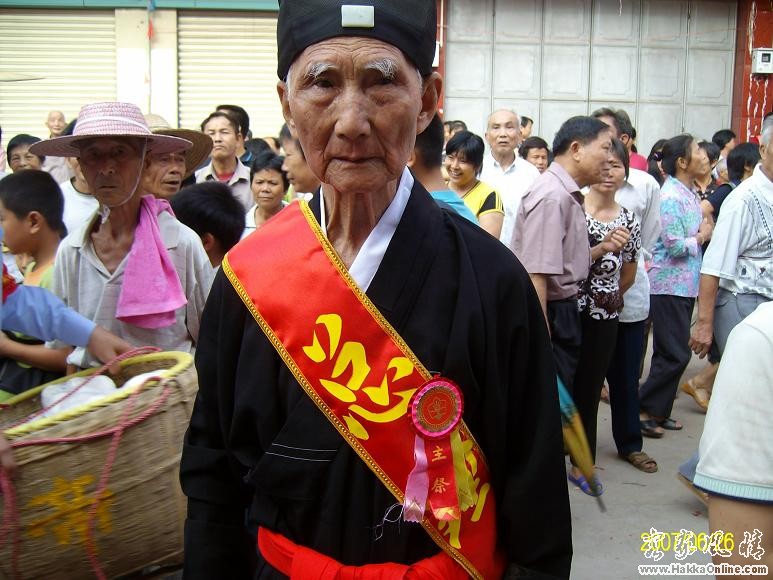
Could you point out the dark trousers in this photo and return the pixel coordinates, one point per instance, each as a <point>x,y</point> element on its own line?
<point>598,343</point>
<point>623,379</point>
<point>671,353</point>
<point>566,337</point>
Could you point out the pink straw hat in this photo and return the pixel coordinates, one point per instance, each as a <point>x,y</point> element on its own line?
<point>109,120</point>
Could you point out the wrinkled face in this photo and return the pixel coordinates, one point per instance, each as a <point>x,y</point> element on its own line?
<point>15,231</point>
<point>112,167</point>
<point>55,123</point>
<point>538,158</point>
<point>357,106</point>
<point>503,133</point>
<point>268,189</point>
<point>613,178</point>
<point>163,174</point>
<point>461,173</point>
<point>20,158</point>
<point>224,138</point>
<point>298,172</point>
<point>594,158</point>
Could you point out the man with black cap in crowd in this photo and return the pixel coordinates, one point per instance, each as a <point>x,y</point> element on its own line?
<point>377,393</point>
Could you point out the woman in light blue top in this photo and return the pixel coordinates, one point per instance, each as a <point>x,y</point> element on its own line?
<point>674,277</point>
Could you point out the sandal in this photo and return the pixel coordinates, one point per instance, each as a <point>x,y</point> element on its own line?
<point>700,394</point>
<point>641,461</point>
<point>583,484</point>
<point>670,424</point>
<point>650,428</point>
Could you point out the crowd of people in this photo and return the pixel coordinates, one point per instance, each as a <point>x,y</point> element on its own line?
<point>129,227</point>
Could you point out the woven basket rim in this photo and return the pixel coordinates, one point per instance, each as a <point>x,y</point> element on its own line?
<point>183,361</point>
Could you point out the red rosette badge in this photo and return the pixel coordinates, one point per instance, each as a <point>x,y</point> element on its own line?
<point>436,412</point>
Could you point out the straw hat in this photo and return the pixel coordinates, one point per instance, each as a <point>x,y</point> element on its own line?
<point>118,120</point>
<point>202,144</point>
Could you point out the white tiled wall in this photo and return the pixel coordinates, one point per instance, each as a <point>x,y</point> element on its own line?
<point>551,59</point>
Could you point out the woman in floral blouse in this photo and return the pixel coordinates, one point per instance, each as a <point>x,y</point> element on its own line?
<point>674,278</point>
<point>614,235</point>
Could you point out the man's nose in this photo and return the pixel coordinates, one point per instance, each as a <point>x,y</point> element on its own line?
<point>353,111</point>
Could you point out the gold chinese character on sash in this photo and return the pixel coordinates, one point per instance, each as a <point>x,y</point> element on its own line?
<point>451,528</point>
<point>437,454</point>
<point>381,404</point>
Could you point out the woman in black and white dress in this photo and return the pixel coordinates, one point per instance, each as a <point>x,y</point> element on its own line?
<point>614,234</point>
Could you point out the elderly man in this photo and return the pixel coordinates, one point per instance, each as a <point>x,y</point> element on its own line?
<point>132,267</point>
<point>334,318</point>
<point>737,269</point>
<point>165,173</point>
<point>57,166</point>
<point>510,175</point>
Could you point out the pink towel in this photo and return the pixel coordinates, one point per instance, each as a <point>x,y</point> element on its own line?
<point>151,289</point>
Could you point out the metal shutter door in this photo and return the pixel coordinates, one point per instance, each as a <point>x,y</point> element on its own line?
<point>73,51</point>
<point>228,58</point>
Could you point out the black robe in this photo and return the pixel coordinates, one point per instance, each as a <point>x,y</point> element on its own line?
<point>259,452</point>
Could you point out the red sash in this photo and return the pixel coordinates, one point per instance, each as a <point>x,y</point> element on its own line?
<point>355,367</point>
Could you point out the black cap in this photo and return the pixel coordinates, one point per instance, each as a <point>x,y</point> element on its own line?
<point>410,25</point>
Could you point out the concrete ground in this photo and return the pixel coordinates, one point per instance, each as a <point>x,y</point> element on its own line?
<point>607,546</point>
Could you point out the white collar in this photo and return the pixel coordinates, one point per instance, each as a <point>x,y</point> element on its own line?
<point>496,164</point>
<point>368,259</point>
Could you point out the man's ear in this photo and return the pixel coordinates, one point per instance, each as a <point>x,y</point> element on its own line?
<point>574,149</point>
<point>432,85</point>
<point>412,159</point>
<point>283,90</point>
<point>34,221</point>
<point>208,241</point>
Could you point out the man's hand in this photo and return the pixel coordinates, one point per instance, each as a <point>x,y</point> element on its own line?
<point>106,346</point>
<point>704,231</point>
<point>7,462</point>
<point>701,337</point>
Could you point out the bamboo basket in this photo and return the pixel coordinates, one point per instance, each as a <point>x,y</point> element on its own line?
<point>139,520</point>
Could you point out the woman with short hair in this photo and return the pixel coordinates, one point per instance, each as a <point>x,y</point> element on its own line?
<point>674,277</point>
<point>464,161</point>
<point>269,185</point>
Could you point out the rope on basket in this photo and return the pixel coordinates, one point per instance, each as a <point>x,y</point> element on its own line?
<point>11,524</point>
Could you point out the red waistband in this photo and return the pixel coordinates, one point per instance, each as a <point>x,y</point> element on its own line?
<point>300,563</point>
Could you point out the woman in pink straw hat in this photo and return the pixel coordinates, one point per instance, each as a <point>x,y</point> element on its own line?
<point>133,267</point>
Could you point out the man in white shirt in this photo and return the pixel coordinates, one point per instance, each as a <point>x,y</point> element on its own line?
<point>737,270</point>
<point>510,175</point>
<point>79,204</point>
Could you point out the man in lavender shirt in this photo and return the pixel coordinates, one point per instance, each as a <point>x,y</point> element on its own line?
<point>551,238</point>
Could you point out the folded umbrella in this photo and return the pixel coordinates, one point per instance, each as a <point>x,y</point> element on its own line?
<point>576,441</point>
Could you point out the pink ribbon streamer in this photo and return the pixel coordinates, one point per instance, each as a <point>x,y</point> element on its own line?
<point>417,488</point>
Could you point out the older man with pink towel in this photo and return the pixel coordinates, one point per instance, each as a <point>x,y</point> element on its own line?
<point>132,268</point>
